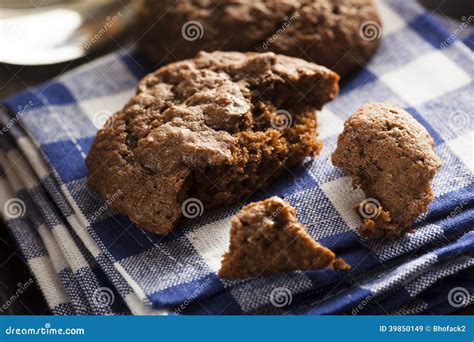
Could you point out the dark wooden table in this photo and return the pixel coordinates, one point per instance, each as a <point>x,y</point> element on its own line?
<point>13,268</point>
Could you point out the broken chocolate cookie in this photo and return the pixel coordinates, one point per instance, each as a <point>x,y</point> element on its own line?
<point>213,129</point>
<point>390,156</point>
<point>339,34</point>
<point>266,238</point>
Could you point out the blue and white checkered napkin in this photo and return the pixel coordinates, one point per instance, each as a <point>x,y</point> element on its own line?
<point>89,260</point>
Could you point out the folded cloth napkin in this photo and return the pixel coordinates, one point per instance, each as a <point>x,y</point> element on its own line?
<point>45,238</point>
<point>53,126</point>
<point>88,290</point>
<point>37,256</point>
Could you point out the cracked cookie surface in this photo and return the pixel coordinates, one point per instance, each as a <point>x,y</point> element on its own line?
<point>339,34</point>
<point>390,156</point>
<point>209,129</point>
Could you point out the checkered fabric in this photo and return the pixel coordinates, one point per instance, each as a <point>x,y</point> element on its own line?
<point>38,258</point>
<point>91,254</point>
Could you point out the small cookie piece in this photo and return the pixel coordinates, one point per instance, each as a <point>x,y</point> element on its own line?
<point>339,34</point>
<point>266,238</point>
<point>390,156</point>
<point>212,130</point>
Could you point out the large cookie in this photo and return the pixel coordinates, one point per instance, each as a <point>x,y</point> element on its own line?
<point>390,156</point>
<point>208,131</point>
<point>339,34</point>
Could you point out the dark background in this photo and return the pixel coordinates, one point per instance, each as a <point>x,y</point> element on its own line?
<point>13,267</point>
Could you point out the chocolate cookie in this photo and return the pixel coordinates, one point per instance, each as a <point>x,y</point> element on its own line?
<point>390,156</point>
<point>339,34</point>
<point>212,130</point>
<point>266,238</point>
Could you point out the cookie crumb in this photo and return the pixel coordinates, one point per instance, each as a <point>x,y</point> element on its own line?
<point>266,238</point>
<point>340,264</point>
